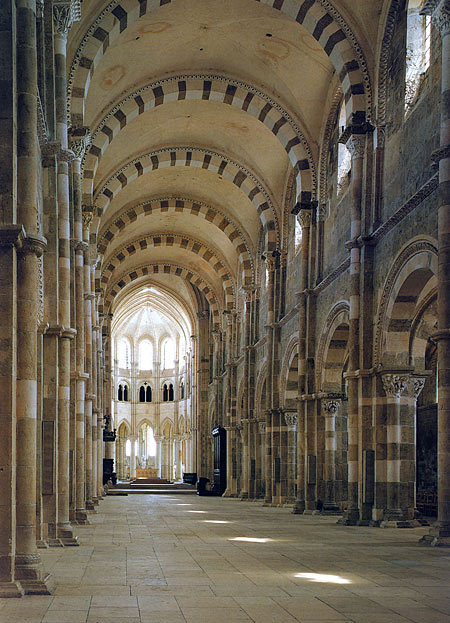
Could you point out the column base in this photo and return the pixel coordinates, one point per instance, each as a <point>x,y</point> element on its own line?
<point>95,501</point>
<point>330,508</point>
<point>90,506</point>
<point>399,523</point>
<point>299,507</point>
<point>350,517</point>
<point>65,534</point>
<point>55,543</point>
<point>81,517</point>
<point>438,536</point>
<point>11,589</point>
<point>41,544</point>
<point>32,577</point>
<point>243,495</point>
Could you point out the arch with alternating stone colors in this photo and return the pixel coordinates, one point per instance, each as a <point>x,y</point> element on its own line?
<point>193,208</point>
<point>213,88</point>
<point>168,268</point>
<point>187,243</point>
<point>200,158</point>
<point>319,17</point>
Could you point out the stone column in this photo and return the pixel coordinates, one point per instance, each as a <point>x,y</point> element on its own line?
<point>133,440</point>
<point>291,423</point>
<point>10,238</point>
<point>394,386</point>
<point>356,144</point>
<point>63,17</point>
<point>177,442</point>
<point>440,533</point>
<point>304,218</point>
<point>90,396</point>
<point>158,439</point>
<point>28,566</point>
<point>79,142</point>
<point>245,454</point>
<point>268,459</point>
<point>260,459</point>
<point>227,492</point>
<point>330,408</point>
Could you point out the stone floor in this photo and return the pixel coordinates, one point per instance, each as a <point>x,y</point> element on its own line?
<point>185,559</point>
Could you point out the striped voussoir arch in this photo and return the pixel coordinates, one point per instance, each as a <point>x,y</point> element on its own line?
<point>187,243</point>
<point>206,87</point>
<point>164,268</point>
<point>197,158</point>
<point>319,17</point>
<point>192,208</point>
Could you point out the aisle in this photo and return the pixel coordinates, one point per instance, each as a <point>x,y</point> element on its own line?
<point>162,559</point>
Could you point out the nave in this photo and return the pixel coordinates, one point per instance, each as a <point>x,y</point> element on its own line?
<point>190,559</point>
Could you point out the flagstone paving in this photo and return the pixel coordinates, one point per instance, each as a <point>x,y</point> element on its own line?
<point>159,559</point>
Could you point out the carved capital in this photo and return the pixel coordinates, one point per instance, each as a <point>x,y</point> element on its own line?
<point>290,419</point>
<point>304,218</point>
<point>417,384</point>
<point>87,219</point>
<point>270,264</point>
<point>65,13</point>
<point>203,315</point>
<point>34,243</point>
<point>394,384</point>
<point>80,139</point>
<point>356,144</point>
<point>66,155</point>
<point>331,407</point>
<point>440,14</point>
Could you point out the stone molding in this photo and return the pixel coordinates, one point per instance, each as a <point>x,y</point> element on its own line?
<point>383,71</point>
<point>325,149</point>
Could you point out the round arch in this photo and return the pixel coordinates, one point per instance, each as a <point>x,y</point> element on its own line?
<point>332,348</point>
<point>206,159</point>
<point>191,207</point>
<point>164,268</point>
<point>412,274</point>
<point>188,244</point>
<point>319,17</point>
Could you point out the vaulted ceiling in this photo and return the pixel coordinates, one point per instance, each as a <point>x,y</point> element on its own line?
<point>199,112</point>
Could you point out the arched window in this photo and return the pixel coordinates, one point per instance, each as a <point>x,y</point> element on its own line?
<point>418,51</point>
<point>125,393</point>
<point>123,354</point>
<point>120,393</point>
<point>181,390</point>
<point>145,355</point>
<point>168,354</point>
<point>344,163</point>
<point>148,394</point>
<point>142,394</point>
<point>165,393</point>
<point>170,392</point>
